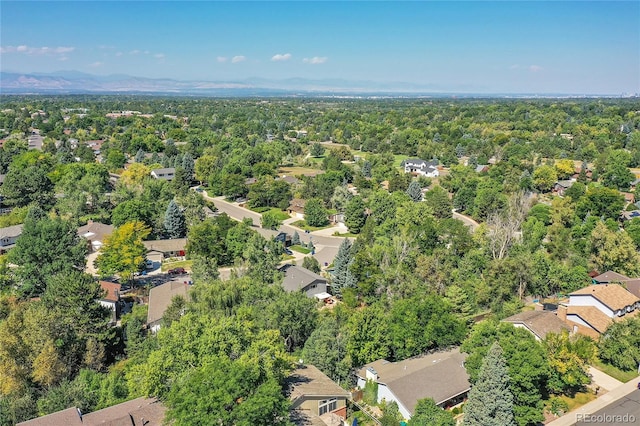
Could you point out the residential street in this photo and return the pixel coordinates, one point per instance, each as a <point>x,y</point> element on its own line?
<point>326,245</point>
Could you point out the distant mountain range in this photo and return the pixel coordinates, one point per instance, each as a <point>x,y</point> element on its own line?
<point>74,82</point>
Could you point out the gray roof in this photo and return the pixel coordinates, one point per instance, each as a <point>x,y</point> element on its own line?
<point>439,375</point>
<point>11,231</point>
<point>565,183</point>
<point>95,231</point>
<point>137,412</point>
<point>419,162</point>
<point>160,298</point>
<point>539,322</point>
<point>297,277</point>
<point>164,173</point>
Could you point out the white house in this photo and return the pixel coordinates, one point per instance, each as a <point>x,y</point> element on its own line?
<point>164,174</point>
<point>591,310</point>
<point>420,167</point>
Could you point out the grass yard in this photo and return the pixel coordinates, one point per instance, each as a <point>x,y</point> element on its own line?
<point>300,249</point>
<point>186,264</point>
<point>303,225</point>
<point>578,400</point>
<point>280,215</point>
<point>295,171</point>
<point>616,373</point>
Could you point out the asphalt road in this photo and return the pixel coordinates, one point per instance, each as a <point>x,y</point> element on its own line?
<point>326,246</point>
<point>625,411</point>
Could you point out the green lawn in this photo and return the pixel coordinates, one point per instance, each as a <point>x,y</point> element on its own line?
<point>303,225</point>
<point>300,249</point>
<point>578,400</point>
<point>186,264</point>
<point>279,213</point>
<point>616,373</point>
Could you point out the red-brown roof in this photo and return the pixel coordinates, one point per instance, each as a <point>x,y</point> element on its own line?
<point>112,289</point>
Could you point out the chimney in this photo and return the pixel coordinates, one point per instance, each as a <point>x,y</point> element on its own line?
<point>562,312</point>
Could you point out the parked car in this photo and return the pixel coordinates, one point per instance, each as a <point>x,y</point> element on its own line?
<point>148,264</point>
<point>289,252</point>
<point>176,271</point>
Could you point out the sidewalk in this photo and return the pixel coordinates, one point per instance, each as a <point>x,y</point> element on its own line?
<point>603,380</point>
<point>608,398</point>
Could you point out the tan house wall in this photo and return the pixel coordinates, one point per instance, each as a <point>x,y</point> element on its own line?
<point>311,404</point>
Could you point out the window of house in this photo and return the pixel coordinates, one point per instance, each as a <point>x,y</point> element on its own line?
<point>327,405</point>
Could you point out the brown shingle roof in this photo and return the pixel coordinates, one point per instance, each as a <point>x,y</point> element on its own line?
<point>440,376</point>
<point>160,298</point>
<point>633,286</point>
<point>176,244</point>
<point>614,296</point>
<point>68,417</point>
<point>609,277</point>
<point>593,316</point>
<point>539,322</point>
<point>306,381</point>
<point>95,231</point>
<point>112,289</point>
<point>137,412</point>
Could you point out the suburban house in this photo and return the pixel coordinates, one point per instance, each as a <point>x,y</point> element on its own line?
<point>336,218</point>
<point>160,298</point>
<point>112,298</point>
<point>631,284</point>
<point>420,167</point>
<point>95,233</point>
<point>313,395</point>
<point>629,197</point>
<point>481,168</point>
<point>291,180</point>
<point>283,238</point>
<point>167,173</point>
<point>591,310</point>
<point>561,186</point>
<point>630,215</point>
<point>8,237</point>
<point>296,208</point>
<point>439,375</point>
<point>539,323</point>
<point>159,250</point>
<point>297,278</point>
<point>137,412</point>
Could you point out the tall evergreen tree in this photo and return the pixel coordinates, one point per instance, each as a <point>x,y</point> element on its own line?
<point>189,165</point>
<point>342,276</point>
<point>490,400</point>
<point>139,158</point>
<point>354,216</point>
<point>414,191</point>
<point>295,239</point>
<point>175,224</point>
<point>366,169</point>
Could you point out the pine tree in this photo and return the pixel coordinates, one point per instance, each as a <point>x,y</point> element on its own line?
<point>490,400</point>
<point>175,224</point>
<point>139,158</point>
<point>366,169</point>
<point>295,239</point>
<point>414,191</point>
<point>189,165</point>
<point>342,277</point>
<point>354,216</point>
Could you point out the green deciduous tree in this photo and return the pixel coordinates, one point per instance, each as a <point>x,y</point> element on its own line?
<point>46,247</point>
<point>490,400</point>
<point>620,344</point>
<point>427,413</point>
<point>613,250</point>
<point>315,214</point>
<point>544,177</point>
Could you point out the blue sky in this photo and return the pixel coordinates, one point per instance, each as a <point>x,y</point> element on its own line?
<point>575,47</point>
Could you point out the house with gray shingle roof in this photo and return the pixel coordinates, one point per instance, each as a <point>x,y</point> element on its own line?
<point>440,376</point>
<point>297,278</point>
<point>8,237</point>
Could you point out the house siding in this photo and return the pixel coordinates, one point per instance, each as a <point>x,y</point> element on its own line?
<point>588,300</point>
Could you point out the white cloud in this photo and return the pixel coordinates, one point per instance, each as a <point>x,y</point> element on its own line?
<point>281,57</point>
<point>96,64</point>
<point>222,59</point>
<point>535,68</point>
<point>134,52</point>
<point>63,58</point>
<point>159,55</point>
<point>118,54</point>
<point>30,50</point>
<point>514,67</point>
<point>315,60</point>
<point>238,58</point>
